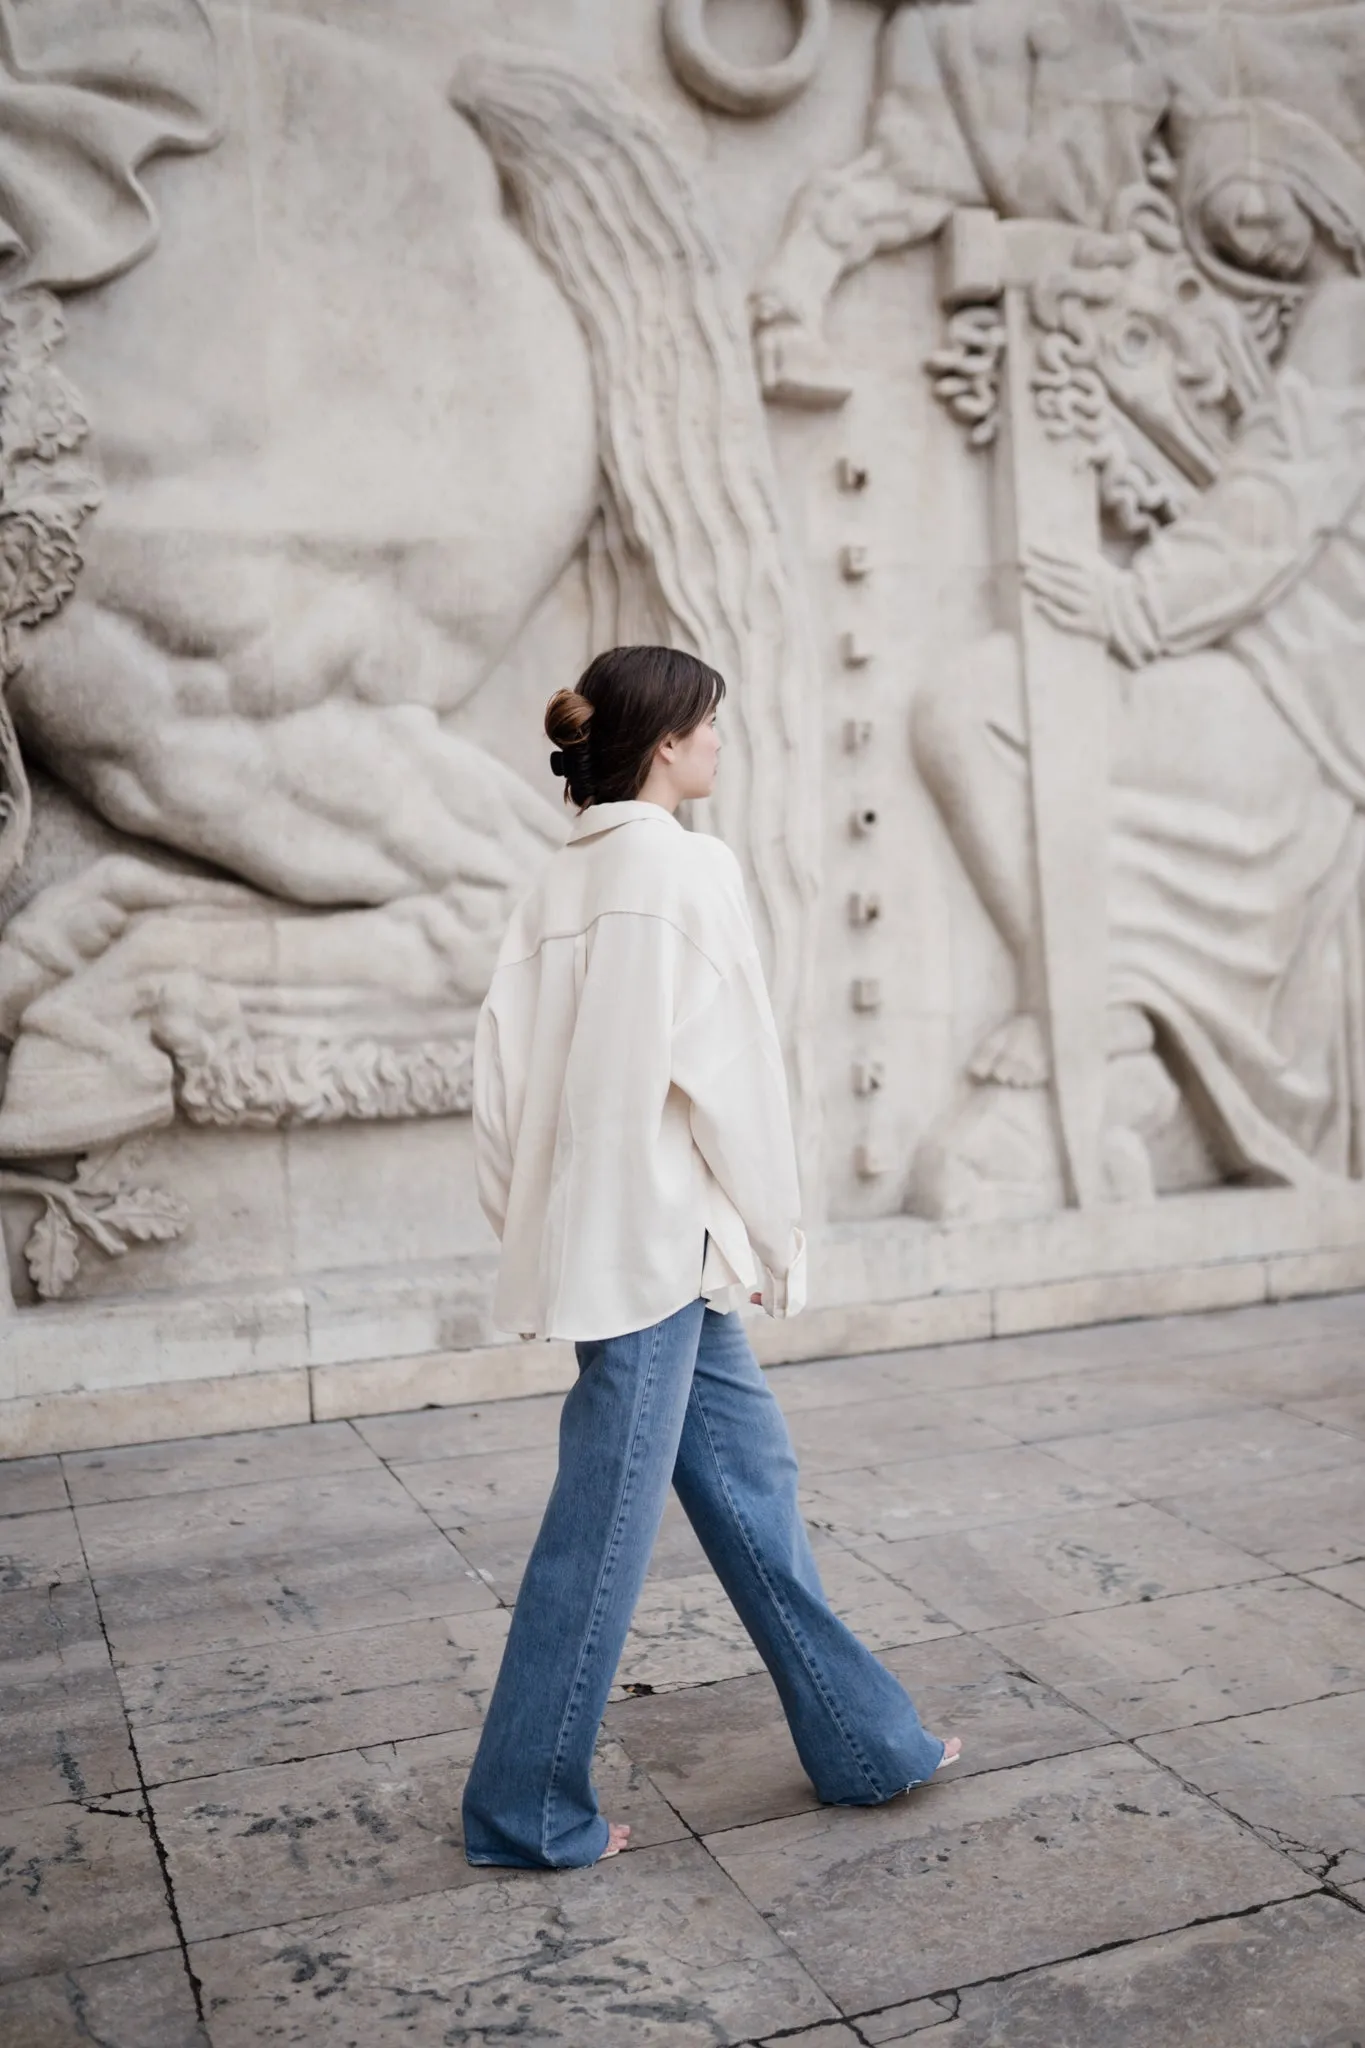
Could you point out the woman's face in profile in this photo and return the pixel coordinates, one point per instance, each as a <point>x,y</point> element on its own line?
<point>696,757</point>
<point>1259,225</point>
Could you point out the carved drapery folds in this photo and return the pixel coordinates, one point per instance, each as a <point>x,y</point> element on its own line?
<point>1152,223</point>
<point>488,391</point>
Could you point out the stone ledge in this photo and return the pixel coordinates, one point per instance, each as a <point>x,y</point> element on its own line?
<point>445,1379</point>
<point>91,1419</point>
<point>96,1421</point>
<point>1119,1297</point>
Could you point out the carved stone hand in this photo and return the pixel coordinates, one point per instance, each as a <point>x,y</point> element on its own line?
<point>1075,592</point>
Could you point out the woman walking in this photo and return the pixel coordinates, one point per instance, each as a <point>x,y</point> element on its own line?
<point>635,1157</point>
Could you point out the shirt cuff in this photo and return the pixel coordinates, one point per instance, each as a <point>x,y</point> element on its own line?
<point>784,1294</point>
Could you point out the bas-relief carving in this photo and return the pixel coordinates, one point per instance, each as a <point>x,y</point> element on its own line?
<point>258,682</point>
<point>293,867</point>
<point>1151,770</point>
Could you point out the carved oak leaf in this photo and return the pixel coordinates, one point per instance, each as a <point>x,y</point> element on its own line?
<point>104,1171</point>
<point>149,1215</point>
<point>53,1254</point>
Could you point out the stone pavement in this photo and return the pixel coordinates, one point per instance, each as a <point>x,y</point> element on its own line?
<point>243,1678</point>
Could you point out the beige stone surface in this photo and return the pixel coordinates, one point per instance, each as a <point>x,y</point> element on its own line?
<point>144,2002</point>
<point>1197,1656</point>
<point>1064,1564</point>
<point>496,1425</point>
<point>685,1631</point>
<point>195,1464</point>
<point>78,1885</point>
<point>142,1414</point>
<point>1302,1523</point>
<point>724,1759</point>
<point>1057,1303</point>
<point>830,1440</point>
<point>1289,1975</point>
<point>270,1562</point>
<point>28,1485</point>
<point>1347,1581</point>
<point>894,1502</point>
<point>229,1710</point>
<point>483,1486</point>
<point>1237,1447</point>
<point>657,1949</point>
<point>1295,1774</point>
<point>491,1373</point>
<point>1125,1852</point>
<point>329,1834</point>
<point>1159,1703</point>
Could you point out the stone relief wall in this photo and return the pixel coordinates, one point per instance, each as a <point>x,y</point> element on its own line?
<point>980,383</point>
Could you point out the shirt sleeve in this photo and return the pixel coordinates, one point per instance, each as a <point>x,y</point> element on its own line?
<point>727,1060</point>
<point>492,1149</point>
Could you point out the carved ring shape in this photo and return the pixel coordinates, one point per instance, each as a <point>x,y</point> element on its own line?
<point>743,88</point>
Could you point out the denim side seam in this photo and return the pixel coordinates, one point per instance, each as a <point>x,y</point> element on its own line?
<point>799,1641</point>
<point>601,1588</point>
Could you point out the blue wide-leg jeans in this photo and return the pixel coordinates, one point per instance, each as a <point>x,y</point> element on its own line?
<point>684,1402</point>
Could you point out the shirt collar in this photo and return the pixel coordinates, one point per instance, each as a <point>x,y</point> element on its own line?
<point>605,817</point>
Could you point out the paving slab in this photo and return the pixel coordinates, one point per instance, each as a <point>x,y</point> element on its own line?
<point>430,1433</point>
<point>1335,1411</point>
<point>1081,1403</point>
<point>1287,1977</point>
<point>1070,1853</point>
<point>651,1950</point>
<point>227,1710</point>
<point>283,1559</point>
<point>483,1486</point>
<point>1236,1447</point>
<point>77,1886</point>
<point>1065,1564</point>
<point>65,1731</point>
<point>902,1427</point>
<point>1321,1366</point>
<point>255,1848</point>
<point>686,1633</point>
<point>144,2002</point>
<point>1302,1524</point>
<point>889,1503</point>
<point>29,1485</point>
<point>1198,1656</point>
<point>193,1464</point>
<point>899,2022</point>
<point>1296,1774</point>
<point>41,1550</point>
<point>498,1548</point>
<point>722,1755</point>
<point>1347,1581</point>
<point>41,1626</point>
<point>833,2035</point>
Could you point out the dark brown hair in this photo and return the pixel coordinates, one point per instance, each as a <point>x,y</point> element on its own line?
<point>627,701</point>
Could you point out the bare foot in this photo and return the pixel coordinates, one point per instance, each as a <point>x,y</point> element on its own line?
<point>618,1838</point>
<point>1014,1054</point>
<point>952,1750</point>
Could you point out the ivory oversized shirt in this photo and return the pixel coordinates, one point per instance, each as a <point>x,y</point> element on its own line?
<point>629,1093</point>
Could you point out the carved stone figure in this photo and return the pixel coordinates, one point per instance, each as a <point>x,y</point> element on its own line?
<point>279,623</point>
<point>1039,109</point>
<point>1237,774</point>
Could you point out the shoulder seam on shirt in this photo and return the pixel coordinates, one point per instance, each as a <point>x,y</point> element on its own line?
<point>575,932</point>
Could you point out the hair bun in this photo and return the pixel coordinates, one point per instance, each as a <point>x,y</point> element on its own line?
<point>567,718</point>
